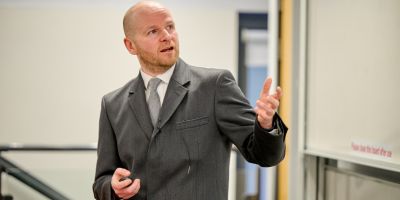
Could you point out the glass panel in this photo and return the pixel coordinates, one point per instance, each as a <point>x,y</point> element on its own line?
<point>353,186</point>
<point>70,173</point>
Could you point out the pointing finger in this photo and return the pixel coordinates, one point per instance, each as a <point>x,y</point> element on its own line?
<point>267,86</point>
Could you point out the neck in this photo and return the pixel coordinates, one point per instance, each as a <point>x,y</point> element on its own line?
<point>155,70</point>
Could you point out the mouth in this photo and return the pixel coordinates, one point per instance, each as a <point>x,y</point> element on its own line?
<point>167,49</point>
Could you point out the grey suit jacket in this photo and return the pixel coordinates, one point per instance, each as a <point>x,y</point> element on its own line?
<point>186,156</point>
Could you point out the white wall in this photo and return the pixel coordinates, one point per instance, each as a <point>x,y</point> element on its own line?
<point>345,80</point>
<point>58,58</point>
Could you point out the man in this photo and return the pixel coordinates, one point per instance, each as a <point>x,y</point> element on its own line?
<point>172,141</point>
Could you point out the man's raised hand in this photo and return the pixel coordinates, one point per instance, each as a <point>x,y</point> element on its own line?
<point>267,104</point>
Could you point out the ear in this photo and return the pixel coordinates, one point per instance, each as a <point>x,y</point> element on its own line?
<point>130,46</point>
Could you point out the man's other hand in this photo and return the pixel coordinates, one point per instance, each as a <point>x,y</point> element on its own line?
<point>124,187</point>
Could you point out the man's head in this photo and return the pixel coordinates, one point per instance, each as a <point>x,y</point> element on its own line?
<point>150,34</point>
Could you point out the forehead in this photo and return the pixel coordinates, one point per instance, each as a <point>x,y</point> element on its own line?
<point>153,16</point>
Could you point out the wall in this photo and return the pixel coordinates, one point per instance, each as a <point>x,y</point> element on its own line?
<point>352,81</point>
<point>345,69</point>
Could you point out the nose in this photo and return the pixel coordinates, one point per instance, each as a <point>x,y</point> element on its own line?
<point>166,35</point>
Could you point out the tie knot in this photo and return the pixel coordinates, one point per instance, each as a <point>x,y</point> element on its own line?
<point>153,84</point>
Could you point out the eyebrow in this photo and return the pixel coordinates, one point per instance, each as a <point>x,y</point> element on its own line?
<point>169,22</point>
<point>148,28</point>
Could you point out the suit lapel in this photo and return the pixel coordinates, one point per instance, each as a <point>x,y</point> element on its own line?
<point>176,92</point>
<point>137,102</point>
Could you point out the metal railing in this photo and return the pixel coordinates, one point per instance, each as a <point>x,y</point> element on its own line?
<point>28,179</point>
<point>6,166</point>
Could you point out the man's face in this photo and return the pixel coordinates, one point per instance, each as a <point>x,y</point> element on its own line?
<point>155,38</point>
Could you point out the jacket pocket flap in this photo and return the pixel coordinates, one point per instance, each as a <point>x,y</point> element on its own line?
<point>191,123</point>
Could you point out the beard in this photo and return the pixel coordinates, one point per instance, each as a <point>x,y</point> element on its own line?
<point>159,61</point>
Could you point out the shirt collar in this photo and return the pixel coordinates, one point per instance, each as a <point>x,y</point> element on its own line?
<point>165,77</point>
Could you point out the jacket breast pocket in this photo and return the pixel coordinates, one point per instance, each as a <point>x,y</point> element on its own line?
<point>191,123</point>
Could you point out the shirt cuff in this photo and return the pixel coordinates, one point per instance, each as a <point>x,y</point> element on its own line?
<point>272,131</point>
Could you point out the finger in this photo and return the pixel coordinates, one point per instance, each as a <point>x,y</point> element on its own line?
<point>270,113</point>
<point>278,93</point>
<point>118,174</point>
<point>122,172</point>
<point>124,193</point>
<point>122,184</point>
<point>272,103</point>
<point>260,108</point>
<point>136,185</point>
<point>268,107</point>
<point>266,87</point>
<point>132,190</point>
<point>261,105</point>
<point>266,114</point>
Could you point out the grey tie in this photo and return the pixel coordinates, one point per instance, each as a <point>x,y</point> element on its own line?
<point>154,100</point>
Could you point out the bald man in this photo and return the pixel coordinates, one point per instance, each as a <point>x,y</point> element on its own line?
<point>173,141</point>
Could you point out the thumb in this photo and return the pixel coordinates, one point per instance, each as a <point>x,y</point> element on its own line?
<point>121,172</point>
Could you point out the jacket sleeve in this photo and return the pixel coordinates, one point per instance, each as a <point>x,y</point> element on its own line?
<point>236,119</point>
<point>107,157</point>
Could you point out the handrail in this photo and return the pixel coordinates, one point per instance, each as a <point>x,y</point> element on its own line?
<point>88,147</point>
<point>31,181</point>
<point>22,147</point>
<point>28,179</point>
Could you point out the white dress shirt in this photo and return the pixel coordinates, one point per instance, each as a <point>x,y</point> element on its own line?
<point>162,88</point>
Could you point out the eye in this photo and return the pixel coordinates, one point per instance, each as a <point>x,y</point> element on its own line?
<point>152,32</point>
<point>170,27</point>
